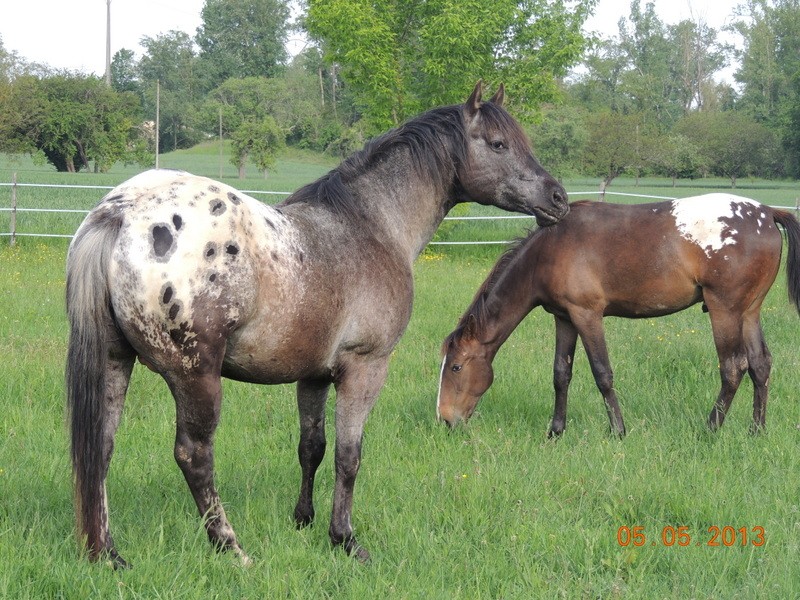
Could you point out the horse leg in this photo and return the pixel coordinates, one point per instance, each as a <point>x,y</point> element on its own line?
<point>566,340</point>
<point>590,328</point>
<point>356,393</point>
<point>727,330</point>
<point>117,376</point>
<point>759,364</point>
<point>198,399</point>
<point>311,400</point>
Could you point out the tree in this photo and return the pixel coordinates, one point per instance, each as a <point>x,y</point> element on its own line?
<point>256,140</point>
<point>652,68</point>
<point>170,59</point>
<point>124,72</point>
<point>769,69</point>
<point>559,139</point>
<point>733,144</point>
<point>403,57</point>
<point>242,38</point>
<point>11,64</point>
<point>614,145</point>
<point>676,156</point>
<point>71,119</point>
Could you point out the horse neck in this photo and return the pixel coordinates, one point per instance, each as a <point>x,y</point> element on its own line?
<point>404,206</point>
<point>508,300</point>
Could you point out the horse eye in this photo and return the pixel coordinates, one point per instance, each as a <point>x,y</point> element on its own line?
<point>455,368</point>
<point>498,145</point>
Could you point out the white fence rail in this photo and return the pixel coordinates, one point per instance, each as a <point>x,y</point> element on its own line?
<point>14,209</point>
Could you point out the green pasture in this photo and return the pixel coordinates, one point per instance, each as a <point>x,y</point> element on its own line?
<point>490,510</point>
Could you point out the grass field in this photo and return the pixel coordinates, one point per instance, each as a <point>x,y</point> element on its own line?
<point>491,510</point>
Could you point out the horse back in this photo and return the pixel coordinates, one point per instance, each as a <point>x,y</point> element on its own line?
<point>654,259</point>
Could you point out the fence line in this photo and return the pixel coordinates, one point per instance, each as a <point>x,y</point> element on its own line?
<point>14,209</point>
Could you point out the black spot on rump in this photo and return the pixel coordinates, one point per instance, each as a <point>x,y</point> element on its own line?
<point>162,240</point>
<point>174,310</point>
<point>275,256</point>
<point>232,248</point>
<point>270,223</point>
<point>167,295</point>
<point>177,221</point>
<point>212,278</point>
<point>217,207</point>
<point>211,251</point>
<point>234,198</point>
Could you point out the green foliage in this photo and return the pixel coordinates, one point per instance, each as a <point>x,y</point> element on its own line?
<point>73,120</point>
<point>769,70</point>
<point>559,139</point>
<point>614,144</point>
<point>257,140</point>
<point>169,73</point>
<point>676,156</point>
<point>663,70</point>
<point>732,144</point>
<point>402,57</point>
<point>242,38</point>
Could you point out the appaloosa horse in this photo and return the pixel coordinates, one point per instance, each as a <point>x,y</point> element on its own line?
<point>645,260</point>
<point>200,282</point>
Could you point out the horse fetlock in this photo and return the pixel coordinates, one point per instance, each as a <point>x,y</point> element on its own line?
<point>303,516</point>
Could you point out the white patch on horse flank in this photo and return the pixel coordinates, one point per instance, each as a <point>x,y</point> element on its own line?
<point>705,220</point>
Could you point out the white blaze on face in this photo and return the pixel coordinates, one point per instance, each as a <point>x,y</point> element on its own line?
<point>439,395</point>
<point>705,220</point>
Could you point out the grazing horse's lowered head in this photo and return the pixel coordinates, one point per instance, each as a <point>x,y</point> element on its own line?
<point>200,281</point>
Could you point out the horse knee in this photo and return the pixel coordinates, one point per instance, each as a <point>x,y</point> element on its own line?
<point>562,376</point>
<point>760,369</point>
<point>311,449</point>
<point>194,458</point>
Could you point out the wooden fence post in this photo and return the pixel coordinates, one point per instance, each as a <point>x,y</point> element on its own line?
<point>14,208</point>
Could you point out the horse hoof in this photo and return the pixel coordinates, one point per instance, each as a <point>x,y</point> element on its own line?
<point>301,520</point>
<point>115,561</point>
<point>357,551</point>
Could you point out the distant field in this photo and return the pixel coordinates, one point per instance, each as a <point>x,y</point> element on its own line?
<point>491,510</point>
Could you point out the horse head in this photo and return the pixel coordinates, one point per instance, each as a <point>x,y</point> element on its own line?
<point>466,374</point>
<point>500,168</point>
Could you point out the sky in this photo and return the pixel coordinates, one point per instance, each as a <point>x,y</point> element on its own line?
<point>72,34</point>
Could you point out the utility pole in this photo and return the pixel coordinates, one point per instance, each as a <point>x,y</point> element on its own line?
<point>108,43</point>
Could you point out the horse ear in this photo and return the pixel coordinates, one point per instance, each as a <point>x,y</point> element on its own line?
<point>474,101</point>
<point>499,96</point>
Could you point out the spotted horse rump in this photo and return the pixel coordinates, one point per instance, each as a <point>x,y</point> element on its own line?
<point>199,281</point>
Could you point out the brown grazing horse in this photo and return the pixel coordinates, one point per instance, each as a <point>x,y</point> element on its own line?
<point>201,282</point>
<point>635,261</point>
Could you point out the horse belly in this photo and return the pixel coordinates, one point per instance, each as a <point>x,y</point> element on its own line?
<point>280,349</point>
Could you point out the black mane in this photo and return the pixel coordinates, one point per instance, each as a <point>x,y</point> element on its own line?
<point>436,141</point>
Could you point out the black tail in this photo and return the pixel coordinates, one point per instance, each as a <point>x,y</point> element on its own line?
<point>792,228</point>
<point>90,317</point>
